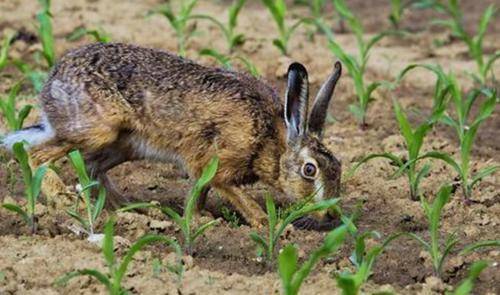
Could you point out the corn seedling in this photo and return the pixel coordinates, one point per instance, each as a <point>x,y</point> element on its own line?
<point>227,61</point>
<point>277,9</point>
<point>99,35</point>
<point>267,245</point>
<point>14,118</point>
<point>117,270</point>
<point>466,129</point>
<point>185,222</point>
<point>233,39</point>
<point>466,286</point>
<point>398,8</point>
<point>4,51</point>
<point>474,42</point>
<point>93,210</point>
<point>291,275</point>
<point>355,66</point>
<point>44,18</point>
<point>179,21</point>
<point>414,137</point>
<point>438,252</point>
<point>32,183</point>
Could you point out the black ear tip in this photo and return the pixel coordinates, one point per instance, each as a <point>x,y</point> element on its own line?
<point>298,68</point>
<point>338,66</point>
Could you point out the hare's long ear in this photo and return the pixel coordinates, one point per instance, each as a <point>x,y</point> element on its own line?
<point>296,104</point>
<point>320,107</point>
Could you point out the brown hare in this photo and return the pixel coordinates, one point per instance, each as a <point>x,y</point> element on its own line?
<point>119,102</point>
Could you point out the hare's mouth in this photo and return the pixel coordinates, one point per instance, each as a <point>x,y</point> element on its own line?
<point>311,223</point>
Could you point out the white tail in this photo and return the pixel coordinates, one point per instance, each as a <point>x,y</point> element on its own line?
<point>33,135</point>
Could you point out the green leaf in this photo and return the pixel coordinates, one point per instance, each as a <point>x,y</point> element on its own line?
<point>134,206</point>
<point>203,228</point>
<point>62,281</point>
<point>280,45</point>
<point>467,285</point>
<point>174,215</point>
<point>99,204</point>
<point>483,173</point>
<point>287,266</point>
<point>22,115</point>
<point>258,240</point>
<point>17,209</point>
<point>393,158</point>
<point>108,244</point>
<point>4,51</point>
<point>36,184</point>
<point>136,247</point>
<point>77,217</point>
<point>479,245</point>
<point>221,58</point>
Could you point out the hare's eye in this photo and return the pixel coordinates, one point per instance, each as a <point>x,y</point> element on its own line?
<point>309,170</point>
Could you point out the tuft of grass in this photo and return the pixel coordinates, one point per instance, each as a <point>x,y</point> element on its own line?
<point>292,276</point>
<point>455,23</point>
<point>267,244</point>
<point>32,183</point>
<point>185,222</point>
<point>93,210</point>
<point>99,35</point>
<point>44,18</point>
<point>278,10</point>
<point>15,119</point>
<point>355,66</point>
<point>414,136</point>
<point>117,270</point>
<point>233,39</point>
<point>179,21</point>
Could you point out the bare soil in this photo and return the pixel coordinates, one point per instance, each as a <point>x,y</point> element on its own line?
<point>225,260</point>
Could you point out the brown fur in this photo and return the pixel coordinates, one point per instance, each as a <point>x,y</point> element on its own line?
<point>118,102</point>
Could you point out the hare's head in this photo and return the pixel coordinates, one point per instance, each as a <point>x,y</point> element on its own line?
<point>308,168</point>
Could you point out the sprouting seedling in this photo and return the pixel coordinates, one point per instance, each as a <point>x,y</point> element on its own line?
<point>185,222</point>
<point>4,50</point>
<point>117,270</point>
<point>278,10</point>
<point>227,61</point>
<point>467,285</point>
<point>292,276</point>
<point>36,77</point>
<point>32,183</point>
<point>179,21</point>
<point>466,129</point>
<point>363,259</point>
<point>355,66</point>
<point>14,118</point>
<point>398,8</point>
<point>93,210</point>
<point>433,212</point>
<point>233,39</point>
<point>45,30</point>
<point>99,35</point>
<point>267,244</point>
<point>414,137</point>
<point>474,42</point>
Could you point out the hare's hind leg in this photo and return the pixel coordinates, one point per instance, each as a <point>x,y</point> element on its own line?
<point>53,187</point>
<point>244,203</point>
<point>99,163</point>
